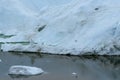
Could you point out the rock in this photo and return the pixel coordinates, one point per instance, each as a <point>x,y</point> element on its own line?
<point>19,70</point>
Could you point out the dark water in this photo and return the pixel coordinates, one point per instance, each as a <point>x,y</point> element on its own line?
<point>58,67</point>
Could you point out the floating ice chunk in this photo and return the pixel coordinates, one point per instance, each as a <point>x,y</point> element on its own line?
<point>20,70</point>
<point>0,60</point>
<point>74,73</point>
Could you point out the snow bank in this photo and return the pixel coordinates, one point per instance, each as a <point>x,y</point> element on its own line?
<point>61,26</point>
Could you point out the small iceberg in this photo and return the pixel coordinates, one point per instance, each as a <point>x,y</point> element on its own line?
<point>19,70</point>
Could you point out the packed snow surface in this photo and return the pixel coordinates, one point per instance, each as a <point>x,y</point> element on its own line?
<point>24,70</point>
<point>60,26</point>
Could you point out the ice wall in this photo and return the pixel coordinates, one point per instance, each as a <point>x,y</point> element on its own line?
<point>60,26</point>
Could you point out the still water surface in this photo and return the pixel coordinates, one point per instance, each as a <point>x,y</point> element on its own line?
<point>59,67</point>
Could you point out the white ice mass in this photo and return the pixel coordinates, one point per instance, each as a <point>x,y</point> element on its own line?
<point>60,26</point>
<point>24,70</point>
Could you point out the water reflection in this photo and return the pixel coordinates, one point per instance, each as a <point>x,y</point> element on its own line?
<point>18,76</point>
<point>60,67</point>
<point>31,56</point>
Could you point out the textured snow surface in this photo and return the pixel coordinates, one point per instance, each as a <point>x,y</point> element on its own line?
<point>61,26</point>
<point>24,70</point>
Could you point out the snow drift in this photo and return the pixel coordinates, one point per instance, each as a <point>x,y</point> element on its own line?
<point>60,27</point>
